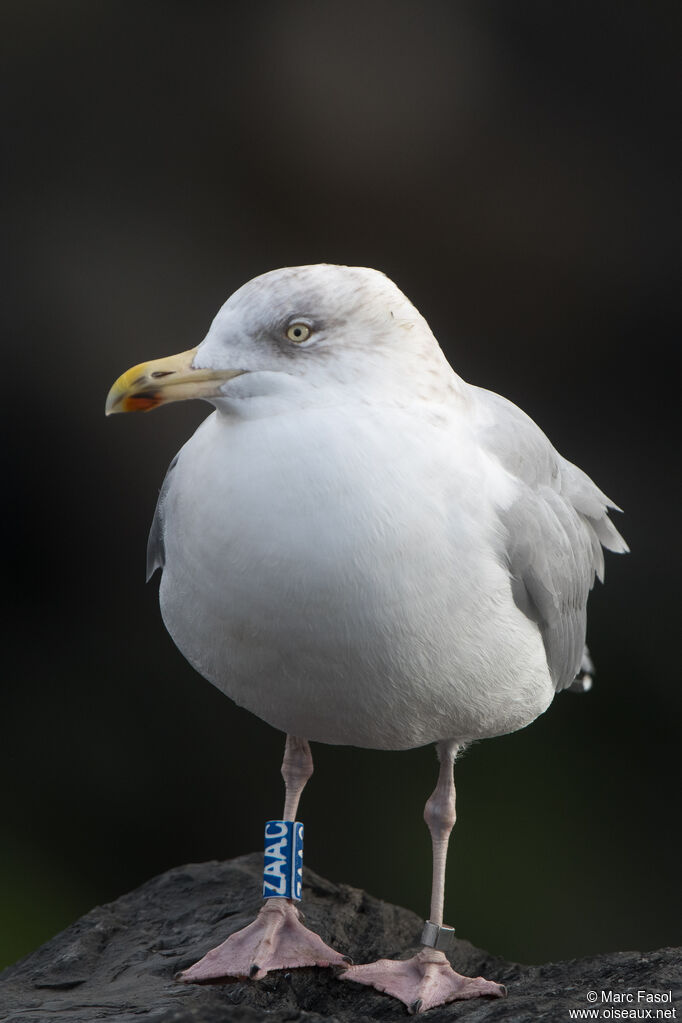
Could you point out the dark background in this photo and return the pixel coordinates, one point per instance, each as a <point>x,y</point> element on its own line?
<point>509,165</point>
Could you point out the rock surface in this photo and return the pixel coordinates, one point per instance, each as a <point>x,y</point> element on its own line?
<point>118,962</point>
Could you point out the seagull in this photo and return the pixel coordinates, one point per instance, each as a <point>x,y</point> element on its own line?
<point>363,549</point>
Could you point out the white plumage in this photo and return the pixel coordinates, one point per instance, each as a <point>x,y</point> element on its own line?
<point>361,548</point>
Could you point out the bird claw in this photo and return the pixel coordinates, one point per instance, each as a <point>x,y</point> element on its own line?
<point>340,968</point>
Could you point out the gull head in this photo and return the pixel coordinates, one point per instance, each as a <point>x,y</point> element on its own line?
<point>299,332</point>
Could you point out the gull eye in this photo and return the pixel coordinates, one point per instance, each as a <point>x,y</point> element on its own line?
<point>298,332</point>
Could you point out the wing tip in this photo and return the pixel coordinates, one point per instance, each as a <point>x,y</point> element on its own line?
<point>581,684</point>
<point>151,569</point>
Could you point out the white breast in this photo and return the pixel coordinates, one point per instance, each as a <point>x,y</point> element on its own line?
<point>338,574</point>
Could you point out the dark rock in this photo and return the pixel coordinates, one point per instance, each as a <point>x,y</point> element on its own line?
<point>118,962</point>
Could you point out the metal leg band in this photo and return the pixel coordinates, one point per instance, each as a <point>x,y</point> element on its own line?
<point>438,936</point>
<point>283,866</point>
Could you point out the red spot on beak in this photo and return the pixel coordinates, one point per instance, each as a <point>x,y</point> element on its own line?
<point>141,402</point>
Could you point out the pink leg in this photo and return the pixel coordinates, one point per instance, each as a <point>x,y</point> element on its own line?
<point>276,940</point>
<point>427,979</point>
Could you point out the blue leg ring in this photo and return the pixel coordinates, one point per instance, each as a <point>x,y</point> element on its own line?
<point>283,866</point>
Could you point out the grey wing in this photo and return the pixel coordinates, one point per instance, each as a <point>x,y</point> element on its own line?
<point>156,555</point>
<point>553,532</point>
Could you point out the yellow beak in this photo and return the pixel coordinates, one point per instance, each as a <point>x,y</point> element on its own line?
<point>151,384</point>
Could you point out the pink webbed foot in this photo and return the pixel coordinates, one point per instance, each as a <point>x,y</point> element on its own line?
<point>276,940</point>
<point>422,982</point>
